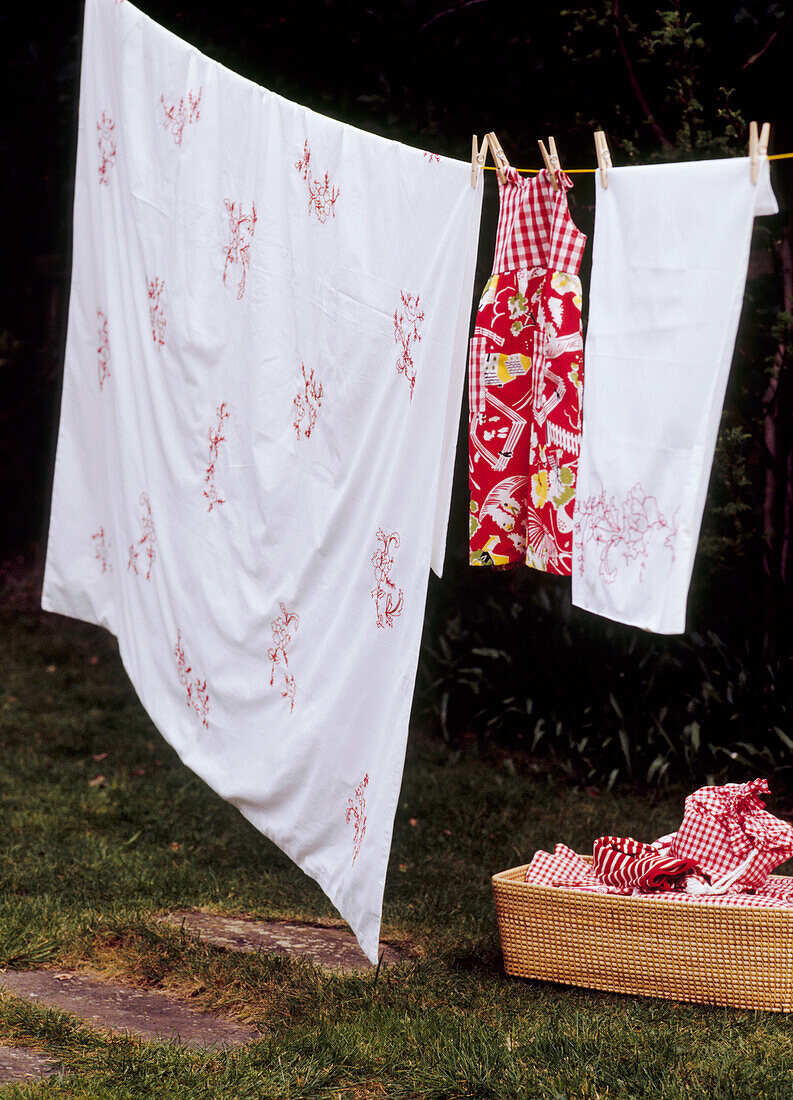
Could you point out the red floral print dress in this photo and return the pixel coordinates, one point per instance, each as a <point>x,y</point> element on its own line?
<point>525,383</point>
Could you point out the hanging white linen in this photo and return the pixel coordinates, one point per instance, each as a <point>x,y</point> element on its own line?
<point>670,255</point>
<point>264,370</point>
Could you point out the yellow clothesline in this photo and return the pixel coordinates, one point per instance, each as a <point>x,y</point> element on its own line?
<point>581,171</point>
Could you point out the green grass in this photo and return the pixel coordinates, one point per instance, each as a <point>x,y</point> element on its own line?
<point>84,869</point>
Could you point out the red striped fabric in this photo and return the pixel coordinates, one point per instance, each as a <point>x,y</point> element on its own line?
<point>631,864</point>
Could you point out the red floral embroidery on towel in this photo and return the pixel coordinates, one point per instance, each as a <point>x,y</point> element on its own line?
<point>177,116</point>
<point>103,349</point>
<point>195,689</point>
<point>387,597</point>
<point>238,250</point>
<point>145,544</point>
<point>283,629</point>
<point>432,157</point>
<point>156,288</point>
<point>628,531</point>
<point>215,439</point>
<point>321,195</point>
<point>102,550</point>
<point>107,146</point>
<point>306,403</point>
<point>406,332</point>
<point>356,813</point>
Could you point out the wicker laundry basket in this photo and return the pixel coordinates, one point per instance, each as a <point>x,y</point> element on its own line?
<point>681,950</point>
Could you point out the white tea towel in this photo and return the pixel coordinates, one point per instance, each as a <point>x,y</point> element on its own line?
<point>264,371</point>
<point>670,254</point>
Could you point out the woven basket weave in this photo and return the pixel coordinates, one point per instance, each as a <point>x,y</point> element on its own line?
<point>684,951</point>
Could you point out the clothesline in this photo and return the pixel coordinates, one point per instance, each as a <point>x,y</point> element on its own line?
<point>585,171</point>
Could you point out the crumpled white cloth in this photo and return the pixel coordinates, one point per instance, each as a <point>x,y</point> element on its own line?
<point>670,255</point>
<point>264,370</point>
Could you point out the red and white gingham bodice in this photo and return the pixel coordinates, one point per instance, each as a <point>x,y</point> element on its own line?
<point>534,226</point>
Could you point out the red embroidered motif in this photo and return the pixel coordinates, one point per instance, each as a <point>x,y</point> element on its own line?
<point>215,439</point>
<point>155,288</point>
<point>631,532</point>
<point>356,813</point>
<point>321,196</point>
<point>177,116</point>
<point>406,331</point>
<point>307,403</point>
<point>238,251</point>
<point>146,541</point>
<point>283,629</point>
<point>102,550</point>
<point>107,146</point>
<point>432,157</point>
<point>387,597</point>
<point>195,689</point>
<point>103,349</point>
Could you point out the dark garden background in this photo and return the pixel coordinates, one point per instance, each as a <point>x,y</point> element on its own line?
<point>508,666</point>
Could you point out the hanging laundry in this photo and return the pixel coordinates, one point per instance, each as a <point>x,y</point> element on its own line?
<point>264,369</point>
<point>525,381</point>
<point>670,255</point>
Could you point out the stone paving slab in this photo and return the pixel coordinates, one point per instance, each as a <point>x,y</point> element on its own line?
<point>151,1015</point>
<point>334,948</point>
<point>18,1065</point>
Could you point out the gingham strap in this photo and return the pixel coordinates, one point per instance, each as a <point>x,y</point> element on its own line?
<point>534,226</point>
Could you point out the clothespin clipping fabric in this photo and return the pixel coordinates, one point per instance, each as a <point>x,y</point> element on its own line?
<point>551,160</point>
<point>758,147</point>
<point>478,157</point>
<point>499,157</point>
<point>603,156</point>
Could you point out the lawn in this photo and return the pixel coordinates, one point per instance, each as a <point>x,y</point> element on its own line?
<point>103,829</point>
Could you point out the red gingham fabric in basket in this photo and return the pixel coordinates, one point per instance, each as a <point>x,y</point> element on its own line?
<point>564,868</point>
<point>722,826</point>
<point>567,869</point>
<point>625,862</point>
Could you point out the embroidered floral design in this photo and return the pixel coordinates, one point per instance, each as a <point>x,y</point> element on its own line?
<point>156,290</point>
<point>356,813</point>
<point>107,146</point>
<point>387,597</point>
<point>406,332</point>
<point>103,349</point>
<point>145,543</point>
<point>629,530</point>
<point>177,116</point>
<point>195,689</point>
<point>321,196</point>
<point>238,250</point>
<point>283,629</point>
<point>306,403</point>
<point>102,550</point>
<point>432,157</point>
<point>215,439</point>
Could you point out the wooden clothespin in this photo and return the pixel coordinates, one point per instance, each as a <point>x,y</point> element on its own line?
<point>551,161</point>
<point>478,158</point>
<point>499,159</point>
<point>758,147</point>
<point>604,157</point>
